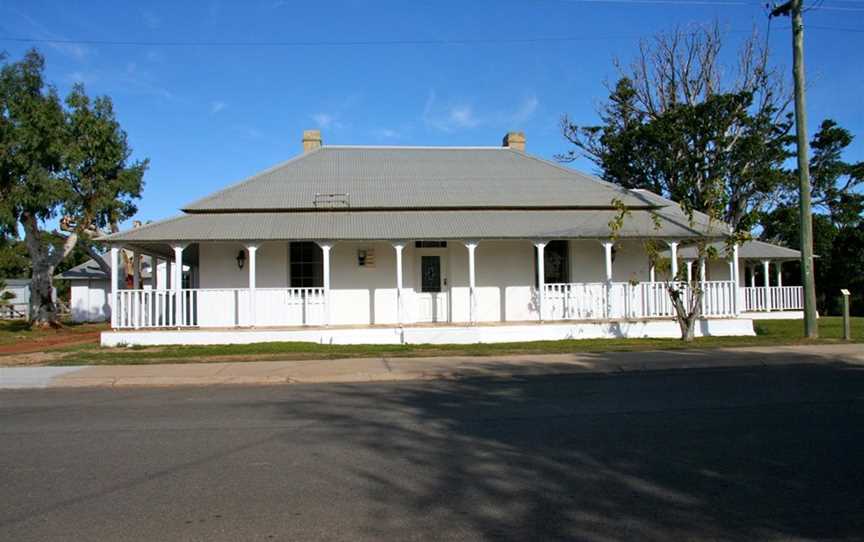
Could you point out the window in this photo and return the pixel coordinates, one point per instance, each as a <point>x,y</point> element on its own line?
<point>306,265</point>
<point>430,274</point>
<point>556,263</point>
<point>430,244</point>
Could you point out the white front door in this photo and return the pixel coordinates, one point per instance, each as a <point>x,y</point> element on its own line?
<point>432,297</point>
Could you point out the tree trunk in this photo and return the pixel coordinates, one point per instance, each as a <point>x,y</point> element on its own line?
<point>44,259</point>
<point>43,310</point>
<point>685,315</point>
<point>688,327</point>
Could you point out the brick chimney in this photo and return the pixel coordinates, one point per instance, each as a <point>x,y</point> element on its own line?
<point>311,140</point>
<point>515,141</point>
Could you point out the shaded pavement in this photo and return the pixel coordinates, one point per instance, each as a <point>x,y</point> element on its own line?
<point>416,368</point>
<point>766,451</point>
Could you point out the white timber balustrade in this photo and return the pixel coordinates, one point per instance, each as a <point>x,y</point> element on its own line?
<point>252,250</point>
<point>398,247</point>
<point>778,298</point>
<point>624,300</point>
<point>220,308</point>
<point>325,250</point>
<point>472,300</point>
<point>736,278</point>
<point>177,285</point>
<point>115,287</point>
<point>576,301</point>
<point>673,247</point>
<point>541,278</point>
<point>607,252</point>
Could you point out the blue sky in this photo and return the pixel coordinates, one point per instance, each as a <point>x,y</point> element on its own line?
<point>208,115</point>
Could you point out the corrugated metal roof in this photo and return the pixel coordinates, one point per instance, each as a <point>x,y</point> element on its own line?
<point>384,225</point>
<point>91,270</point>
<point>671,208</point>
<point>416,178</point>
<point>749,250</point>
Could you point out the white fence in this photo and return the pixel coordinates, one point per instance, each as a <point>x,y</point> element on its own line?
<point>275,307</point>
<point>219,307</point>
<point>773,298</point>
<point>622,300</point>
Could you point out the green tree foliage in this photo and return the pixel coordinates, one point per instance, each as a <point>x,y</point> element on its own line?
<point>70,162</point>
<point>674,125</point>
<point>14,260</point>
<point>6,296</point>
<point>838,224</point>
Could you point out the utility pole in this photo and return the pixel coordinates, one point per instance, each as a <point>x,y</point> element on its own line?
<point>793,8</point>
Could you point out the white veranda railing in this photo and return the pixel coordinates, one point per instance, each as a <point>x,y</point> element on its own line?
<point>623,300</point>
<point>773,298</point>
<point>219,307</point>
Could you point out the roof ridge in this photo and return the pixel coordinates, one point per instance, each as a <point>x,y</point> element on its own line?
<point>251,178</point>
<point>142,227</point>
<point>588,176</point>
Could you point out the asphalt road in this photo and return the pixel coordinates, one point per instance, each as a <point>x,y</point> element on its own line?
<point>746,453</point>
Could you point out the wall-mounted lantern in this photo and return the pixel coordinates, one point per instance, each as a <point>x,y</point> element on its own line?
<point>366,257</point>
<point>241,259</point>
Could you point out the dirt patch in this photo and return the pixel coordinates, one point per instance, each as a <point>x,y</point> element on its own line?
<point>50,341</point>
<point>31,359</point>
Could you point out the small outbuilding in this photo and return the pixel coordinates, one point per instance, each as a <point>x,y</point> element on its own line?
<point>90,287</point>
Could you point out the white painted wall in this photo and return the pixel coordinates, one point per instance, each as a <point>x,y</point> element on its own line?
<point>587,262</point>
<point>718,270</point>
<point>363,295</point>
<point>435,335</point>
<point>630,263</point>
<point>89,300</point>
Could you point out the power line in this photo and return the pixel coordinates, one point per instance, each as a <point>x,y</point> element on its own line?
<point>732,3</point>
<point>324,43</point>
<point>353,43</point>
<point>834,28</point>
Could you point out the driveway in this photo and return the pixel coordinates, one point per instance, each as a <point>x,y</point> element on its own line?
<point>760,452</point>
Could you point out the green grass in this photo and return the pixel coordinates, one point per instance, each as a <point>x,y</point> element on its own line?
<point>776,332</point>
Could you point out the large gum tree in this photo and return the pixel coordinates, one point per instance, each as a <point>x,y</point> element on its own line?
<point>59,159</point>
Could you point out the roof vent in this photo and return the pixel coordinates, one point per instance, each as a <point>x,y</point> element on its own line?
<point>331,200</point>
<point>311,140</point>
<point>515,141</point>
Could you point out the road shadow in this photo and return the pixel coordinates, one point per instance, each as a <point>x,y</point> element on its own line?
<point>739,453</point>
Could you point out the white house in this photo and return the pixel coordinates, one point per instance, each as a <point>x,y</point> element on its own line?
<point>18,306</point>
<point>359,244</point>
<point>90,288</point>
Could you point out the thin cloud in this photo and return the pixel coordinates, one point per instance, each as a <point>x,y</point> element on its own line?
<point>76,51</point>
<point>386,133</point>
<point>448,117</point>
<point>151,20</point>
<point>452,116</point>
<point>526,110</point>
<point>130,79</point>
<point>217,106</point>
<point>327,120</point>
